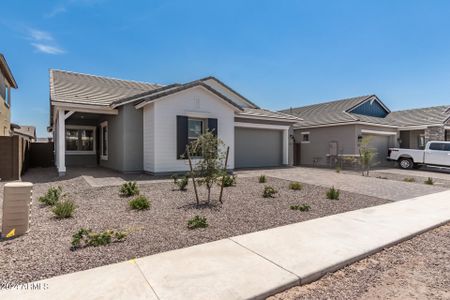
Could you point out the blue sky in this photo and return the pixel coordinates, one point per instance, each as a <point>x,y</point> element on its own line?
<point>279,54</point>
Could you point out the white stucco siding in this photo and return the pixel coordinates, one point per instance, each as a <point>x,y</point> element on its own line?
<point>149,138</point>
<point>196,102</point>
<point>230,95</point>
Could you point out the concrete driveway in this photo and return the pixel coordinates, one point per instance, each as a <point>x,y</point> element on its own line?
<point>381,188</point>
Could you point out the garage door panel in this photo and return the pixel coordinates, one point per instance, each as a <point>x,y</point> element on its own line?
<point>256,147</point>
<point>380,144</point>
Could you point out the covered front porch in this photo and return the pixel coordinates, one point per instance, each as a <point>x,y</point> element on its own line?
<point>82,137</point>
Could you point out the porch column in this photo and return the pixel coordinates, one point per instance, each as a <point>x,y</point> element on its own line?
<point>61,143</point>
<point>286,146</point>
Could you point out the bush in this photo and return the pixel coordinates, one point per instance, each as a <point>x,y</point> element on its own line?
<point>229,180</point>
<point>139,203</point>
<point>129,189</point>
<point>429,181</point>
<point>409,179</point>
<point>64,209</point>
<point>262,179</point>
<point>269,192</point>
<point>302,207</point>
<point>182,183</point>
<point>175,178</point>
<point>86,237</point>
<point>197,222</point>
<point>338,169</point>
<point>333,194</point>
<point>296,186</point>
<point>52,196</point>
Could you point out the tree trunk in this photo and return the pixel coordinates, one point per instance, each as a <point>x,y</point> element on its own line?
<point>209,194</point>
<point>192,175</point>
<point>223,176</point>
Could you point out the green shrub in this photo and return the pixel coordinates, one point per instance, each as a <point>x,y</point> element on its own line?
<point>197,222</point>
<point>262,179</point>
<point>129,188</point>
<point>175,178</point>
<point>409,179</point>
<point>338,169</point>
<point>182,183</point>
<point>429,181</point>
<point>64,209</point>
<point>269,192</point>
<point>296,186</point>
<point>229,180</point>
<point>52,196</point>
<point>333,194</point>
<point>139,203</point>
<point>86,237</point>
<point>302,207</point>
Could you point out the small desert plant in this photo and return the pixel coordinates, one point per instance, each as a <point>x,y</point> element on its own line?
<point>333,194</point>
<point>139,203</point>
<point>302,207</point>
<point>64,209</point>
<point>175,178</point>
<point>52,196</point>
<point>197,222</point>
<point>382,177</point>
<point>429,181</point>
<point>262,179</point>
<point>269,192</point>
<point>86,237</point>
<point>229,180</point>
<point>338,169</point>
<point>182,183</point>
<point>129,188</point>
<point>296,186</point>
<point>409,179</point>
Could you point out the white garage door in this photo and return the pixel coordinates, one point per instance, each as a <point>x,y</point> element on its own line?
<point>380,144</point>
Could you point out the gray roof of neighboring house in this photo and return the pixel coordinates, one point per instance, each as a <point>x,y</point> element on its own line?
<point>78,88</point>
<point>337,111</point>
<point>4,68</point>
<point>29,131</point>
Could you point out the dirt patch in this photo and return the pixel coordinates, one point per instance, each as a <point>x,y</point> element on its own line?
<point>45,251</point>
<point>416,269</point>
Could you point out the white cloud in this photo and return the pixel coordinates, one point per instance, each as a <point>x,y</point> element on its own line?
<point>47,49</point>
<point>43,42</point>
<point>56,11</point>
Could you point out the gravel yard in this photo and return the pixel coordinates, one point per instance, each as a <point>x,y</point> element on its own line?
<point>417,179</point>
<point>415,269</point>
<point>45,251</point>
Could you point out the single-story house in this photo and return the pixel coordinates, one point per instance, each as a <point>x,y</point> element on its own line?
<point>134,126</point>
<point>333,130</point>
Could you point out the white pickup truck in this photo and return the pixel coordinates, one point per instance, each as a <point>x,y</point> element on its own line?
<point>435,154</point>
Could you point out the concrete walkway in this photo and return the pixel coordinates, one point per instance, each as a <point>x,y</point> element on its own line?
<point>355,183</point>
<point>253,265</point>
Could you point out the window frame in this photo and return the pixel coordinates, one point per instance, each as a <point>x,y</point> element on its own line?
<point>203,130</point>
<point>81,152</point>
<point>104,125</point>
<point>302,136</point>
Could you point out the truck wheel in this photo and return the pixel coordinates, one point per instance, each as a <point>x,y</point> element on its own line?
<point>405,163</point>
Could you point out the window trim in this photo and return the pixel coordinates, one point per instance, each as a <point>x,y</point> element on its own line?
<point>204,125</point>
<point>302,135</point>
<point>103,125</point>
<point>81,152</point>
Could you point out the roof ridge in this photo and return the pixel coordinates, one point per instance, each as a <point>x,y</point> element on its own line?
<point>105,77</point>
<point>420,108</point>
<point>329,102</point>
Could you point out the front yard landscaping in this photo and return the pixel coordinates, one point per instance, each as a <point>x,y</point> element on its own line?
<point>161,224</point>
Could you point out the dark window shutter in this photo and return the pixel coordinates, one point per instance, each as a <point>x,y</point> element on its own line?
<point>182,135</point>
<point>212,126</point>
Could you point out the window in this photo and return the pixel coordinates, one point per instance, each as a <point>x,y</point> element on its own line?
<point>104,140</point>
<point>437,146</point>
<point>195,129</point>
<point>80,140</point>
<point>305,137</point>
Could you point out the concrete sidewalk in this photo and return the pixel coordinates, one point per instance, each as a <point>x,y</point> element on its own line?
<point>253,265</point>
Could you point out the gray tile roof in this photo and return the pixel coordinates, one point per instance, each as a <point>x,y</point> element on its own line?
<point>335,112</point>
<point>71,87</point>
<point>264,113</point>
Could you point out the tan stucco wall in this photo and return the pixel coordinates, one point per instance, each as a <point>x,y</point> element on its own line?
<point>318,147</point>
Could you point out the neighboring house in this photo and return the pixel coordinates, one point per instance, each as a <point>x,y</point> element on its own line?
<point>7,82</point>
<point>133,126</point>
<point>25,131</point>
<point>333,130</point>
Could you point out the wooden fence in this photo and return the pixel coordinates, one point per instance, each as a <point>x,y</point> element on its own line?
<point>14,157</point>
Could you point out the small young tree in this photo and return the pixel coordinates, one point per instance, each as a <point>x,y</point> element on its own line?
<point>209,169</point>
<point>366,155</point>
